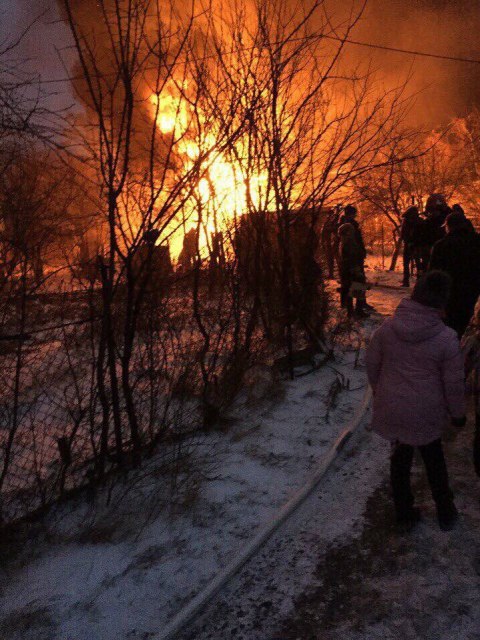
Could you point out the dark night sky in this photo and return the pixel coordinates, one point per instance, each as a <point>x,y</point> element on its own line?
<point>451,27</point>
<point>41,44</point>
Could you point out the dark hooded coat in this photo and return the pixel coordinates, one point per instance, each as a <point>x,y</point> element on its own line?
<point>459,255</point>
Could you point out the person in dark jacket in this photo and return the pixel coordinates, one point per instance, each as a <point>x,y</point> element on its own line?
<point>436,211</point>
<point>433,226</point>
<point>457,208</point>
<point>350,217</point>
<point>351,257</point>
<point>459,255</point>
<point>410,235</point>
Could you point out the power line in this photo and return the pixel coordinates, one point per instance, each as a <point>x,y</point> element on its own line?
<point>370,45</point>
<point>412,52</point>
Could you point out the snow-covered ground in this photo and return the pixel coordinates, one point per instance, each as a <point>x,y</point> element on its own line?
<point>339,570</point>
<point>121,570</point>
<point>336,570</point>
<point>376,584</point>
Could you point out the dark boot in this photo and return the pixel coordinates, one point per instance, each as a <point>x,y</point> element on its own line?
<point>407,522</point>
<point>447,515</point>
<point>361,310</point>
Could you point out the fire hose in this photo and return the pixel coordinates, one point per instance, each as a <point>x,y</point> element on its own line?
<point>200,601</point>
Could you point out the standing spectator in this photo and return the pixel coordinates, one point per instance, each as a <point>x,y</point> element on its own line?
<point>188,257</point>
<point>457,208</point>
<point>350,217</point>
<point>415,368</point>
<point>351,258</point>
<point>411,238</point>
<point>432,227</point>
<point>459,255</point>
<point>330,240</point>
<point>436,211</point>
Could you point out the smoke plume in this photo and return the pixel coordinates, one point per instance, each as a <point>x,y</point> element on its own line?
<point>448,27</point>
<point>443,89</point>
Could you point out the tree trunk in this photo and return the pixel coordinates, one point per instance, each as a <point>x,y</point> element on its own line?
<point>108,273</point>
<point>396,250</point>
<point>128,346</point>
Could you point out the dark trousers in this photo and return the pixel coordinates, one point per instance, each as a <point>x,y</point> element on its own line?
<point>346,299</point>
<point>407,258</point>
<point>411,258</point>
<point>400,468</point>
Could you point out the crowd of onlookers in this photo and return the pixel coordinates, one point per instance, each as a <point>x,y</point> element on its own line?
<point>441,238</point>
<point>421,360</point>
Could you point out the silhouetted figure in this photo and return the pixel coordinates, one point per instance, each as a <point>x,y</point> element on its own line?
<point>436,212</point>
<point>410,234</point>
<point>431,228</point>
<point>152,263</point>
<point>457,208</point>
<point>329,237</point>
<point>350,216</point>
<point>459,255</point>
<point>217,253</point>
<point>188,256</point>
<point>351,258</point>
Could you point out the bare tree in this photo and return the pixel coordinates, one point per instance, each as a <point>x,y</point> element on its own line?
<point>417,165</point>
<point>141,117</point>
<point>312,127</point>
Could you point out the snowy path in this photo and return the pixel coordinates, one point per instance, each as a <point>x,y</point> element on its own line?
<point>379,585</point>
<point>253,606</point>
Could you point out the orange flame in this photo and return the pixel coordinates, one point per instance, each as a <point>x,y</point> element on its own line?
<point>222,191</point>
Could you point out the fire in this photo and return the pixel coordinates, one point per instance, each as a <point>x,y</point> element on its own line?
<point>222,191</point>
<point>171,114</point>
